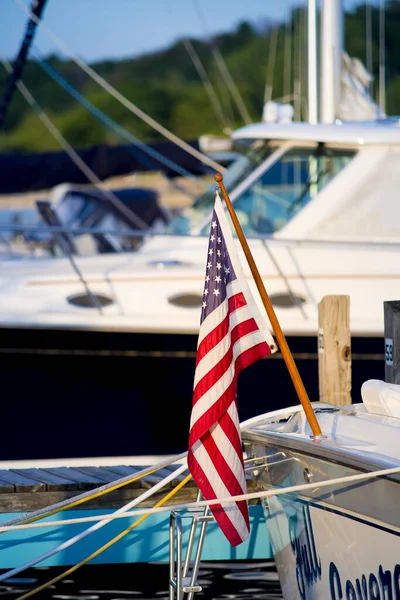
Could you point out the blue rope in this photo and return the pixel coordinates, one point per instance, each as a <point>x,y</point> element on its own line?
<point>112,124</point>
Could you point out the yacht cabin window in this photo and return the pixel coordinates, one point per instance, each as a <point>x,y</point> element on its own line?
<point>276,195</point>
<point>269,199</point>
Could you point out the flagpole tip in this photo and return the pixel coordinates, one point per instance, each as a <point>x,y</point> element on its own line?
<point>218,177</point>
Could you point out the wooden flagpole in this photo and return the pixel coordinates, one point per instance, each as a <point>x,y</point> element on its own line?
<point>279,335</point>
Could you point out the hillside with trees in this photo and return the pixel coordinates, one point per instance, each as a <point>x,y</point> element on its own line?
<point>167,86</point>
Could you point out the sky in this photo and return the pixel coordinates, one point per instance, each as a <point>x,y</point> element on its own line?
<point>101,29</point>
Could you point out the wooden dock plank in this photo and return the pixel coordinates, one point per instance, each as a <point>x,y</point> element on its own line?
<point>153,478</point>
<point>24,490</point>
<point>149,480</point>
<point>102,473</point>
<point>84,481</point>
<point>124,470</point>
<point>20,482</point>
<point>162,473</point>
<point>52,481</point>
<point>6,488</point>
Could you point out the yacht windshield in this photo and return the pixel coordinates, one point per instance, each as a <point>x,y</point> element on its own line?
<point>271,199</point>
<point>253,155</point>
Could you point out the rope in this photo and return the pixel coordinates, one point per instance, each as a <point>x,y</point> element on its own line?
<point>108,122</point>
<point>74,156</point>
<point>118,96</point>
<point>106,545</point>
<point>53,509</point>
<point>93,528</point>
<point>203,503</point>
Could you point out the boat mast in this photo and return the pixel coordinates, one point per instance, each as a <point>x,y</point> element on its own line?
<point>312,57</point>
<point>331,58</point>
<point>19,63</point>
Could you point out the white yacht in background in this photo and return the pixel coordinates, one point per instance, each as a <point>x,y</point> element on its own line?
<point>317,200</point>
<point>318,204</point>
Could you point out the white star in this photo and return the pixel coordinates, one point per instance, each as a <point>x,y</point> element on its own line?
<point>214,224</point>
<point>211,252</point>
<point>218,266</point>
<point>208,277</point>
<point>218,279</point>
<point>209,265</point>
<point>204,304</point>
<point>218,240</point>
<point>218,252</point>
<point>227,270</point>
<point>205,291</point>
<point>216,292</point>
<point>212,237</point>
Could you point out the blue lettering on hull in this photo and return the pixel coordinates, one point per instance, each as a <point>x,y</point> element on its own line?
<point>382,585</point>
<point>308,563</point>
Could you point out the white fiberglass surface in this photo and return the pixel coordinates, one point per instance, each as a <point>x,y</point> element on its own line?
<point>351,429</point>
<point>371,211</point>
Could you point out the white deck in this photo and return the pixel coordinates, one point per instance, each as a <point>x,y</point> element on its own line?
<point>350,431</point>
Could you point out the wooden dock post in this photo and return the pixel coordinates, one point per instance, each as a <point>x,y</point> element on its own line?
<point>391,311</point>
<point>334,350</point>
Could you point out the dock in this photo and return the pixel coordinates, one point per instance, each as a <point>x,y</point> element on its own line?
<point>29,489</point>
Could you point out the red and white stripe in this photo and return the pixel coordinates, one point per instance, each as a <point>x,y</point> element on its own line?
<point>230,339</point>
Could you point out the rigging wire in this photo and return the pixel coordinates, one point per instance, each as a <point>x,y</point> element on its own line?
<point>273,41</point>
<point>74,156</point>
<point>108,544</point>
<point>297,62</point>
<point>368,42</point>
<point>110,123</point>
<point>208,86</point>
<point>287,81</point>
<point>120,97</point>
<point>382,57</point>
<point>224,69</point>
<point>303,67</point>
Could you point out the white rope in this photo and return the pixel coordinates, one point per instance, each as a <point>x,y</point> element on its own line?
<point>203,503</point>
<point>281,413</point>
<point>118,96</point>
<point>97,526</point>
<point>74,156</point>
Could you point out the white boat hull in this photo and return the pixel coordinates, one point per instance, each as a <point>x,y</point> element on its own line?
<point>334,535</point>
<point>326,554</point>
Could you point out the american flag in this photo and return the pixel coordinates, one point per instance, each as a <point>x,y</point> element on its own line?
<point>233,334</point>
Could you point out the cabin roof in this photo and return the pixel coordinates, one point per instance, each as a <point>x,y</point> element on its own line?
<point>383,132</point>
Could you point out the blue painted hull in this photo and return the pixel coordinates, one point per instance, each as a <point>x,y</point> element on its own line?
<point>148,543</point>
